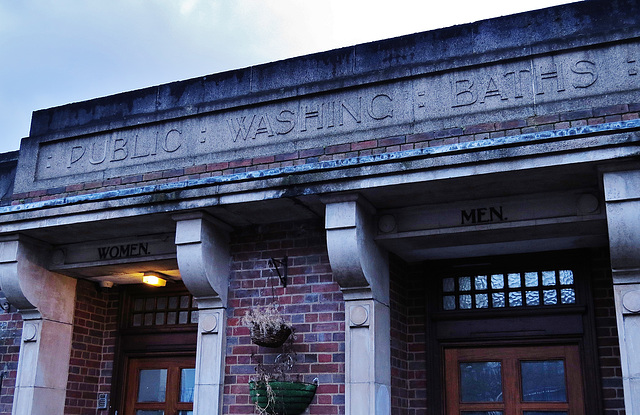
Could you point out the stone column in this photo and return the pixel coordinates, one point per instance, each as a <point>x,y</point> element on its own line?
<point>46,301</point>
<point>362,270</point>
<point>204,261</point>
<point>622,197</point>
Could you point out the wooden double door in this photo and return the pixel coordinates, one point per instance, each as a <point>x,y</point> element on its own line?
<point>545,380</point>
<point>160,386</point>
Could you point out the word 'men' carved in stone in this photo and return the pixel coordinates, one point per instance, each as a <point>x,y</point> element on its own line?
<point>123,251</point>
<point>517,83</point>
<point>329,114</point>
<point>118,148</point>
<point>482,215</point>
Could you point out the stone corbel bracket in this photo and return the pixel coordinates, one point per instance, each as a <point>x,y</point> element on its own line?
<point>360,267</point>
<point>29,286</point>
<point>204,259</point>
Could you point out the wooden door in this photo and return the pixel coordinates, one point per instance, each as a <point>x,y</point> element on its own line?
<point>160,386</point>
<point>544,380</point>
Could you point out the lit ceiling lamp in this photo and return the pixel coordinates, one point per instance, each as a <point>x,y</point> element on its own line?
<point>154,278</point>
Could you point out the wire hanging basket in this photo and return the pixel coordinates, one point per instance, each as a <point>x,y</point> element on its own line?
<point>271,337</point>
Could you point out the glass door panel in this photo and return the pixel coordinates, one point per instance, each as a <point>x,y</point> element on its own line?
<point>481,382</point>
<point>514,381</point>
<point>152,386</point>
<point>543,381</point>
<point>160,386</point>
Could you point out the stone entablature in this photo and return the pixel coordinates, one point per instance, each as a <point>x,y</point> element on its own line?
<point>488,135</point>
<point>402,87</point>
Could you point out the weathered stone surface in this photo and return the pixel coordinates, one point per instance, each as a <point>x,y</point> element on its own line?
<point>8,164</point>
<point>413,84</point>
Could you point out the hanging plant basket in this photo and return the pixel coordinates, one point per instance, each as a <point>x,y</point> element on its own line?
<point>281,398</point>
<point>271,337</point>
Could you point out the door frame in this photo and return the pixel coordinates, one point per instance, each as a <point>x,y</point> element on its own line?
<point>131,379</point>
<point>572,325</point>
<point>138,343</point>
<point>511,375</point>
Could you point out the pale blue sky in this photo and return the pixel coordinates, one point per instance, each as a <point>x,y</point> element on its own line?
<point>53,52</point>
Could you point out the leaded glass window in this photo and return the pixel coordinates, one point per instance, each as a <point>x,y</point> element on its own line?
<point>509,290</point>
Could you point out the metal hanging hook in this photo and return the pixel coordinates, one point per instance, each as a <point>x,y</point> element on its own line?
<point>284,263</point>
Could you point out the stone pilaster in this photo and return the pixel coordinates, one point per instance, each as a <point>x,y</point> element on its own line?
<point>204,261</point>
<point>46,301</point>
<point>622,196</point>
<point>362,270</point>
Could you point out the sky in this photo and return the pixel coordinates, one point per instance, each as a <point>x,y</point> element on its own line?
<point>54,52</point>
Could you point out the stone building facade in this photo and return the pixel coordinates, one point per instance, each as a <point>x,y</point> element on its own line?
<point>456,211</point>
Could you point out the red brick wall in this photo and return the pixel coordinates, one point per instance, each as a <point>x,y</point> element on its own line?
<point>408,340</point>
<point>456,135</point>
<point>312,302</point>
<point>10,336</point>
<point>92,353</point>
<point>607,338</point>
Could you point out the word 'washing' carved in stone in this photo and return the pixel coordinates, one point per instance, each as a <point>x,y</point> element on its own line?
<point>320,115</point>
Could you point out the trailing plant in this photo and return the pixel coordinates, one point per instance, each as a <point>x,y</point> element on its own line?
<point>274,390</point>
<point>268,326</point>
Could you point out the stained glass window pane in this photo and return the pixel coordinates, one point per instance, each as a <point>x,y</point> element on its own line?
<point>183,317</point>
<point>497,281</point>
<point>545,413</point>
<point>448,285</point>
<point>568,296</point>
<point>137,320</point>
<point>138,303</point>
<point>150,304</point>
<point>153,385</point>
<point>548,278</point>
<point>566,277</point>
<point>515,299</point>
<point>185,413</point>
<point>481,382</point>
<point>465,283</point>
<point>531,279</point>
<point>533,297</point>
<point>148,319</point>
<point>184,301</point>
<point>498,299</point>
<point>550,297</point>
<point>514,280</point>
<point>162,303</point>
<point>194,316</point>
<point>465,301</point>
<point>481,412</point>
<point>147,412</point>
<point>481,282</point>
<point>543,381</point>
<point>173,302</point>
<point>482,301</point>
<point>159,319</point>
<point>171,317</point>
